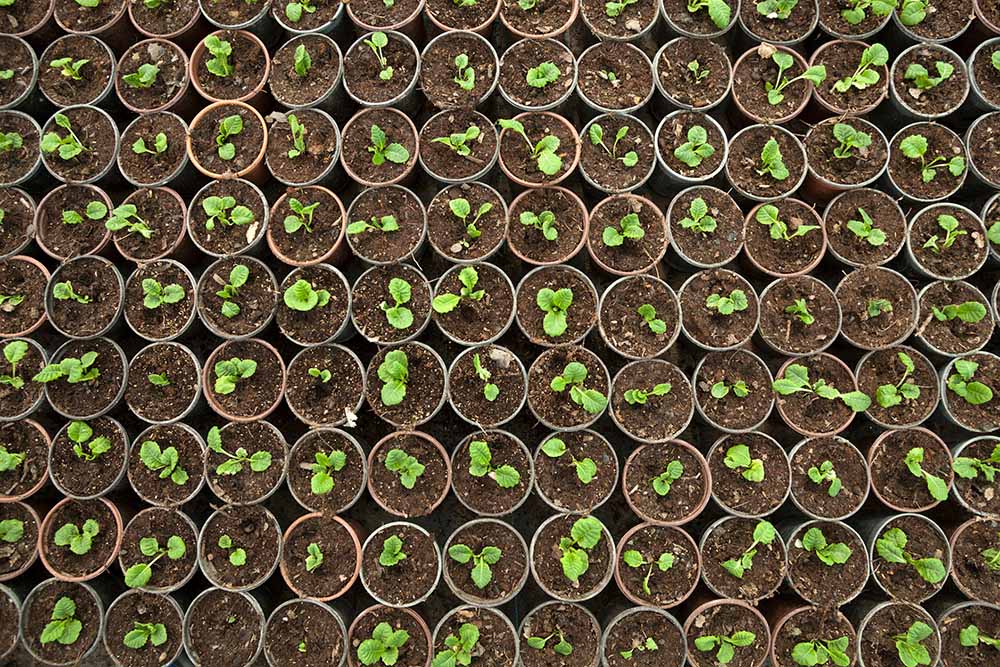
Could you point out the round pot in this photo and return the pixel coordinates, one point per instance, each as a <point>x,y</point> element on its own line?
<point>544,182</point>
<point>601,585</point>
<point>410,25</point>
<point>883,71</point>
<point>734,439</point>
<point>281,18</point>
<point>714,423</point>
<point>675,179</point>
<point>683,536</point>
<point>487,166</point>
<point>678,660</point>
<point>115,483</point>
<point>30,173</point>
<point>915,263</point>
<point>696,510</point>
<point>476,38</point>
<point>376,608</point>
<point>590,418</point>
<point>620,420</point>
<point>879,525</point>
<point>947,395</point>
<point>195,399</point>
<point>753,300</point>
<point>331,173</point>
<point>527,626</point>
<point>342,332</point>
<point>43,545</point>
<point>788,615</point>
<point>468,611</point>
<point>30,643</point>
<point>545,342</point>
<point>358,451</point>
<point>44,477</point>
<point>524,380</point>
<point>895,190</point>
<point>37,403</point>
<point>865,491</point>
<point>899,100</point>
<point>831,246</point>
<point>646,136</point>
<point>372,461</point>
<point>981,508</point>
<point>256,171</point>
<point>196,488</point>
<point>189,288</point>
<point>684,32</point>
<point>15,601</point>
<point>206,283</point>
<point>801,429</point>
<point>753,115</point>
<point>209,391</point>
<point>681,105</point>
<point>355,409</point>
<point>570,61</point>
<point>823,188</point>
<point>103,97</point>
<point>123,362</point>
<point>611,464</point>
<point>475,600</point>
<point>977,98</point>
<point>335,255</point>
<point>510,318</point>
<point>406,99</point>
<point>50,299</point>
<point>560,260</point>
<point>910,34</point>
<point>751,220</point>
<point>182,98</point>
<point>43,25</point>
<point>248,599</point>
<point>484,28</point>
<point>112,160</point>
<point>285,611</point>
<point>777,129</point>
<point>182,175</point>
<point>528,478</point>
<point>190,547</point>
<point>210,572</point>
<point>183,35</point>
<point>691,627</point>
<point>26,565</point>
<point>606,330</point>
<point>553,33</point>
<point>112,643</point>
<point>410,163</point>
<point>41,222</point>
<point>357,557</point>
<point>599,108</point>
<point>257,97</point>
<point>378,534</point>
<point>877,608</point>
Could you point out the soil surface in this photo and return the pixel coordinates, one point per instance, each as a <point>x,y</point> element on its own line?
<point>508,574</point>
<point>96,132</point>
<point>579,628</point>
<point>731,411</point>
<point>347,481</point>
<point>558,482</point>
<point>628,332</point>
<point>813,624</point>
<point>16,555</point>
<point>249,63</point>
<point>414,653</point>
<point>713,248</point>
<point>968,249</point>
<point>953,336</point>
<point>781,256</point>
<point>978,492</point>
<point>685,495</point>
<point>94,75</point>
<point>876,645</point>
<point>633,82</point>
<point>327,403</point>
<point>477,321</point>
<point>251,528</point>
<point>147,169</point>
<point>668,588</point>
<point>570,221</point>
<point>225,239</point>
<point>785,331</point>
<point>633,255</point>
<point>84,399</point>
<point>155,403</point>
<point>756,69</point>
<point>372,290</point>
<point>848,465</point>
<point>526,54</point>
<point>190,457</point>
<point>161,523</point>
<point>441,159</point>
<point>518,160</point>
<point>256,299</point>
<point>168,319</point>
<point>285,83</point>
<point>311,623</point>
<point>906,172</point>
<point>738,494</point>
<point>438,71</point>
<point>408,580</point>
<point>808,412</point>
<point>863,164</point>
<point>96,281</point>
<point>557,408</point>
<point>841,61</point>
<point>425,386</point>
<point>231,617</point>
<point>707,326</point>
<point>248,143</point>
<point>983,417</point>
<point>38,614</point>
<point>580,316</point>
<point>969,570</point>
<point>633,631</point>
<point>430,487</point>
<point>744,162</point>
<point>448,234</point>
<point>725,619</point>
<point>362,70</point>
<point>303,246</point>
<point>382,247</point>
<point>865,291</point>
<point>142,607</point>
<point>682,85</point>
<point>321,142</point>
<point>356,157</point>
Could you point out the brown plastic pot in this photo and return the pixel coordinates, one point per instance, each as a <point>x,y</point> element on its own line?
<point>689,624</point>
<point>175,244</point>
<point>790,612</point>
<point>184,100</point>
<point>357,555</point>
<point>620,549</point>
<point>654,260</point>
<point>799,429</point>
<point>117,32</point>
<point>752,220</point>
<point>209,391</point>
<point>554,33</point>
<point>43,26</point>
<point>43,532</point>
<point>444,457</point>
<point>485,28</point>
<point>583,235</point>
<point>44,477</point>
<point>185,36</point>
<point>411,26</point>
<point>585,595</point>
<point>256,171</point>
<point>554,118</point>
<point>703,470</point>
<point>753,115</point>
<point>42,317</point>
<point>883,79</point>
<point>34,554</point>
<point>259,98</point>
<point>952,542</point>
<point>413,155</point>
<point>352,659</point>
<point>874,449</point>
<point>336,255</point>
<point>821,189</point>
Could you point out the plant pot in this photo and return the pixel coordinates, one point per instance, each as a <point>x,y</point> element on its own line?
<point>180,24</point>
<point>206,154</point>
<point>848,465</point>
<point>695,245</point>
<point>166,321</point>
<point>99,395</point>
<point>134,607</point>
<point>246,486</point>
<point>626,633</point>
<point>674,136</point>
<point>730,539</point>
<point>10,604</point>
<point>523,23</point>
<point>827,177</point>
<point>96,281</point>
<point>557,410</point>
<point>263,391</point>
<point>79,473</point>
<point>939,265</point>
<point>983,87</point>
<point>171,166</point>
<point>305,246</point>
<point>319,403</point>
<point>416,651</point>
<point>806,622</point>
<point>680,86</point>
<point>255,300</point>
<point>565,481</point>
<point>241,236</point>
<point>523,171</point>
<point>449,234</point>
<point>952,337</point>
<point>29,437</point>
<point>203,627</point>
<point>750,142</point>
<point>469,395</point>
<point>475,321</point>
<point>62,241</point>
<point>21,403</point>
<point>172,92</point>
<point>331,577</point>
<point>300,623</point>
<point>318,160</point>
<point>348,483</point>
<point>841,58</point>
<point>946,99</point>
<point>817,581</point>
<point>904,174</point>
<point>321,86</point>
<point>437,72</point>
<point>371,290</point>
<point>734,490</point>
<point>109,22</point>
<point>924,539</point>
<point>431,486</point>
<point>866,290</point>
<point>718,616</point>
<point>159,403</point>
<point>785,331</point>
<point>75,568</point>
<point>802,415</point>
<point>784,257</point>
<point>953,622</point>
<point>639,19</point>
<point>935,30</point>
<point>19,221</point>
<point>409,581</point>
<point>165,574</point>
<point>97,81</point>
<point>706,326</point>
<point>526,54</point>
<point>363,69</point>
<point>506,481</point>
<point>149,483</point>
<point>542,327</point>
<point>505,582</point>
<point>257,20</point>
<point>973,493</point>
<point>164,211</point>
<point>448,163</point>
<point>832,22</point>
<point>647,584</point>
<point>251,528</point>
<point>94,129</point>
<point>566,622</point>
<point>372,16</point>
<point>497,639</point>
<point>249,70</point>
<point>651,417</point>
<point>36,613</point>
<point>628,332</point>
<point>324,20</point>
<point>36,19</point>
<point>967,544</point>
<point>479,18</point>
<point>24,164</point>
<point>718,382</point>
<point>685,497</point>
<point>527,242</point>
<point>887,216</point>
<point>749,95</point>
<point>378,207</point>
<point>792,30</point>
<point>398,128</point>
<point>631,257</point>
<point>23,276</point>
<point>682,21</point>
<point>328,323</point>
<point>552,579</point>
<point>628,63</point>
<point>976,418</point>
<point>21,553</point>
<point>978,137</point>
<point>886,367</point>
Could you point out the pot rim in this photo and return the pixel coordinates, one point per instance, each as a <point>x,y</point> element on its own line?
<point>739,514</point>
<point>287,535</point>
<point>437,579</point>
<point>337,432</point>
<point>214,579</point>
<point>361,397</point>
<point>246,172</point>
<point>591,418</point>
<point>471,599</point>
<point>524,377</point>
<point>210,394</point>
<point>607,291</point>
<point>795,427</point>
<point>163,590</point>
<point>605,579</point>
<point>632,596</point>
<point>43,531</point>
<point>115,425</point>
<point>585,227</point>
<point>22,623</point>
<point>442,452</point>
<point>543,183</point>
<point>139,439</point>
<point>555,433</point>
<point>542,341</point>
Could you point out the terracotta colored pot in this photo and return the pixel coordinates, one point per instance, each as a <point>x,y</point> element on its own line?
<point>883,78</point>
<point>209,391</point>
<point>800,429</point>
<point>352,659</point>
<point>554,118</point>
<point>257,98</point>
<point>336,255</point>
<point>33,408</point>
<point>752,114</point>
<point>778,623</point>
<point>44,543</point>
<point>704,472</point>
<point>587,595</point>
<point>44,25</point>
<point>256,171</point>
<point>13,575</point>
<point>683,536</point>
<point>690,628</point>
<point>441,452</point>
<point>485,28</point>
<point>413,156</point>
<point>357,555</point>
<point>822,189</point>
<point>185,36</point>
<point>583,236</point>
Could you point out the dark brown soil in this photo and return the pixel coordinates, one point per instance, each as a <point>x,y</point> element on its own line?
<point>666,588</point>
<point>372,290</point>
<point>529,53</point>
<point>303,246</point>
<point>20,278</point>
<point>886,216</point>
<point>757,68</point>
<point>256,299</point>
<point>985,75</point>
<point>336,543</point>
<point>291,89</point>
<point>432,485</point>
<point>168,319</point>
<point>548,571</point>
<point>799,24</point>
<point>497,643</point>
<point>347,481</point>
<point>953,336</point>
<point>707,327</point>
<point>736,493</point>
<point>922,541</point>
<point>786,331</point>
<point>304,621</point>
<point>542,19</point>
<point>724,619</point>
<point>103,546</point>
<point>438,71</point>
<point>709,248</point>
<point>983,148</point>
<point>170,80</point>
<point>953,652</point>
<point>963,257</point>
<point>633,631</point>
<point>161,404</point>
<point>22,437</point>
<point>968,563</point>
<point>362,70</point>
<point>162,524</point>
<point>249,143</point>
<point>190,457</point>
<point>87,398</point>
<point>251,528</point>
<point>698,23</point>
<point>65,90</point>
<point>858,290</point>
<point>632,70</point>
<point>456,17</point>
<point>17,163</point>
<point>327,403</point>
<point>477,321</point>
<point>408,580</point>
<point>822,584</point>
<point>22,17</point>
<point>865,164</point>
<point>580,317</point>
<point>579,628</point>
<point>18,226</point>
<point>783,257</point>
<point>357,139</point>
<point>149,169</point>
<point>384,247</point>
<point>609,171</point>
<point>17,402</point>
<point>884,367</point>
<point>447,233</point>
<point>322,322</point>
<point>94,279</point>
<point>731,411</point>
<point>517,159</point>
<point>672,135</point>
<point>414,653</point>
<point>986,416</point>
<point>226,615</point>
<point>943,98</point>
<point>227,239</point>
<point>248,62</point>
<point>528,242</point>
<point>443,161</point>
<point>165,19</point>
<point>71,240</point>
<point>325,11</point>
<point>810,413</point>
<point>556,408</point>
<point>76,17</point>
<point>812,624</point>
<point>484,495</point>
<point>662,417</point>
<point>322,143</point>
<point>557,480</point>
<point>876,645</point>
<point>624,329</point>
<point>86,479</point>
<point>164,214</point>
<point>744,162</point>
<point>892,479</point>
<point>96,132</point>
<point>850,468</point>
<point>683,500</point>
<point>841,61</point>
<point>631,21</point>
<point>13,556</point>
<point>142,607</point>
<point>375,13</point>
<point>508,574</point>
<point>17,57</point>
<point>979,493</point>
<point>728,540</point>
<point>38,614</point>
<point>946,22</point>
<point>681,84</point>
<point>466,389</point>
<point>248,486</point>
<point>830,19</point>
<point>906,173</point>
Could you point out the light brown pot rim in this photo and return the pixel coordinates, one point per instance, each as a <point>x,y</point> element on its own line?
<point>47,523</point>
<point>441,452</point>
<point>583,232</point>
<point>884,81</point>
<point>706,492</point>
<point>559,30</point>
<point>181,233</point>
<point>778,403</point>
<point>779,624</point>
<point>229,174</point>
<point>750,220</point>
<point>856,453</point>
<point>120,72</point>
<point>880,441</point>
<point>395,27</point>
<point>357,555</point>
<point>683,536</point>
<point>410,164</point>
<point>272,244</point>
<point>198,53</point>
<point>556,118</point>
<point>377,608</point>
<point>209,392</point>
<point>689,622</point>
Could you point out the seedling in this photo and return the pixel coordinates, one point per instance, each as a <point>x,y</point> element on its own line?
<point>321,374</point>
<point>95,211</point>
<point>663,482</point>
<point>303,61</point>
<point>145,633</point>
<point>855,13</point>
<point>697,71</point>
<point>481,465</point>
<point>763,535</point>
<point>913,12</point>
<point>555,304</point>
<point>406,466</point>
<point>14,352</point>
<point>469,277</point>
<point>490,390</point>
<point>394,374</point>
<point>460,142</point>
<point>126,217</point>
<point>914,147</point>
<point>586,469</point>
<point>866,230</point>
<point>315,557</point>
<point>230,126</point>
<point>302,217</point>
<point>969,468</point>
<point>718,10</point>
<point>776,9</point>
<point>969,636</point>
<point>159,145</point>
<point>542,75</point>
<point>301,296</point>
<point>237,555</point>
<point>6,74</point>
<point>527,5</point>
<point>629,227</point>
<point>392,552</point>
<point>614,8</point>
<point>830,554</point>
<point>166,460</point>
<point>738,458</point>
<point>909,645</point>
<point>11,530</point>
<point>585,534</point>
<point>969,311</point>
<point>298,131</point>
<point>73,370</point>
<point>10,460</point>
<point>822,651</point>
<point>876,307</point>
<point>648,313</point>
<point>800,310</point>
<point>596,134</point>
<point>849,139</point>
<point>635,559</point>
<point>69,68</point>
<point>891,395</point>
<point>158,379</point>
<point>561,647</point>
<point>727,645</point>
<point>720,389</point>
<point>961,382</point>
<point>948,224</point>
<point>139,574</point>
<point>64,627</point>
<point>385,224</point>
<point>69,146</point>
<point>321,482</point>
<point>459,648</point>
<point>466,78</point>
<point>892,548</point>
<point>935,485</point>
<point>648,645</point>
<point>258,461</point>
<point>544,152</point>
<point>727,305</point>
<point>775,95</point>
<point>768,216</point>
<point>79,540</point>
<point>641,396</point>
<point>378,42</point>
<point>991,555</point>
<point>238,277</point>
<point>922,79</point>
<point>219,64</point>
<point>8,302</point>
<point>382,149</point>
<point>872,57</point>
<point>698,219</point>
<point>85,445</point>
<point>772,161</point>
<point>144,77</point>
<point>225,211</point>
<point>295,10</point>
<point>796,380</point>
<point>64,292</point>
<point>10,141</point>
<point>573,377</point>
<point>545,222</point>
<point>826,473</point>
<point>696,149</point>
<point>398,315</point>
<point>383,646</point>
<point>481,573</point>
<point>461,209</point>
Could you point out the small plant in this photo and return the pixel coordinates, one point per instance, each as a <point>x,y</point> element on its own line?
<point>826,473</point>
<point>321,482</point>
<point>545,222</point>
<point>166,460</point>
<point>923,80</point>
<point>648,313</point>
<point>614,8</point>
<point>969,468</point>
<point>219,64</point>
<point>383,646</point>
<point>909,645</point>
<point>159,145</point>
<point>481,573</point>
<point>727,305</point>
<point>447,302</point>
<point>14,352</point>
<point>696,149</point>
<point>649,644</point>
<point>73,370</point>
<point>406,466</point>
<point>776,9</point>
<point>914,12</point>
<point>481,465</point>
<point>237,555</point>
<point>238,277</point>
<point>969,636</point>
<point>796,380</point>
<point>892,548</point>
<point>85,445</point>
<point>855,13</point>
<point>586,469</point>
<point>935,485</point>
<point>8,302</point>
<point>961,382</point>
<point>720,389</point>
<point>490,390</point>
<point>635,560</point>
<point>158,379</point>
<point>800,310</point>
<point>466,78</point>
<point>822,651</point>
<point>914,147</point>
<point>303,61</point>
<point>10,141</point>
<point>394,374</point>
<point>226,212</point>
<point>382,150</point>
<point>323,375</point>
<point>126,217</point>
<point>11,530</point>
<point>144,77</point>
<point>866,74</point>
<point>461,209</point>
<point>79,540</point>
<point>763,535</point>
<point>315,557</point>
<point>768,216</point>
<point>10,460</point>
<point>145,633</point>
<point>378,42</point>
<point>385,224</point>
<point>573,377</point>
<point>555,304</point>
<point>596,134</point>
<point>830,554</point>
<point>585,534</point>
<point>698,219</point>
<point>738,458</point>
<point>561,647</point>
<point>641,396</point>
<point>727,645</point>
<point>460,647</point>
<point>544,152</point>
<point>139,574</point>
<point>663,482</point>
<point>775,95</point>
<point>230,126</point>
<point>718,10</point>
<point>460,142</point>
<point>697,71</point>
<point>69,68</point>
<point>392,552</point>
<point>69,146</point>
<point>542,75</point>
<point>302,217</point>
<point>228,373</point>
<point>629,227</point>
<point>948,224</point>
<point>876,307</point>
<point>891,395</point>
<point>609,76</point>
<point>298,131</point>
<point>301,296</point>
<point>398,315</point>
<point>95,211</point>
<point>866,230</point>
<point>64,627</point>
<point>849,139</point>
<point>969,311</point>
<point>258,461</point>
<point>295,10</point>
<point>772,161</point>
<point>64,292</point>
